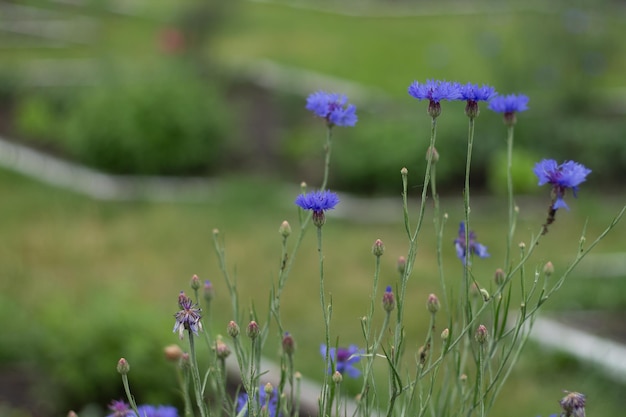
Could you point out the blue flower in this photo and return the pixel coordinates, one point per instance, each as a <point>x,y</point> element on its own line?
<point>188,318</point>
<point>512,103</point>
<point>568,175</point>
<point>271,403</point>
<point>474,246</point>
<point>472,92</point>
<point>122,409</point>
<point>317,201</point>
<point>434,91</point>
<point>332,107</point>
<point>344,359</point>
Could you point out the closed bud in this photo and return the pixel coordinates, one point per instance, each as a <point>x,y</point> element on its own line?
<point>401,265</point>
<point>404,172</point>
<point>378,248</point>
<point>122,366</point>
<point>269,389</point>
<point>548,269</point>
<point>389,300</point>
<point>253,330</point>
<point>289,345</point>
<point>72,414</point>
<point>522,245</point>
<point>208,291</point>
<point>232,329</point>
<point>284,229</point>
<point>463,378</point>
<point>173,353</point>
<point>485,294</point>
<point>303,187</point>
<point>222,351</point>
<point>433,303</point>
<point>445,334</point>
<point>481,334</point>
<point>499,276</point>
<point>195,283</point>
<point>337,377</point>
<point>431,152</point>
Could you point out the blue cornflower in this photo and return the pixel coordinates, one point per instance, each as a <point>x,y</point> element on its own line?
<point>509,105</point>
<point>122,409</point>
<point>434,91</point>
<point>474,246</point>
<point>472,94</point>
<point>333,107</point>
<point>567,175</point>
<point>188,318</point>
<point>318,202</point>
<point>271,403</point>
<point>344,359</point>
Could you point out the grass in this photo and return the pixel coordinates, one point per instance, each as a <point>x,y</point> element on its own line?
<point>63,254</point>
<point>503,49</point>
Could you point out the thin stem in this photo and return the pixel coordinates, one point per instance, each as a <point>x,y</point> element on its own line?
<point>131,399</point>
<point>509,183</point>
<point>195,374</point>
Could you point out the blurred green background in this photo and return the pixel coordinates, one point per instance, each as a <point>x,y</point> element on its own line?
<point>217,89</point>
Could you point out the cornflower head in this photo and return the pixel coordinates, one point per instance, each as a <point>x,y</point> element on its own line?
<point>509,105</point>
<point>318,202</point>
<point>188,318</point>
<point>333,107</point>
<point>472,94</point>
<point>434,91</point>
<point>122,409</point>
<point>269,401</point>
<point>568,175</point>
<point>474,246</point>
<point>344,359</point>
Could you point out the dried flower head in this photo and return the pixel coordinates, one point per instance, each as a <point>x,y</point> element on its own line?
<point>188,318</point>
<point>474,246</point>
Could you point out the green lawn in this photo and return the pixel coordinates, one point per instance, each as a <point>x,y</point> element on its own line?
<point>71,263</point>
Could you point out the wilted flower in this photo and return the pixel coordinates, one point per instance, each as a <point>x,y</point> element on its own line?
<point>573,405</point>
<point>188,318</point>
<point>344,359</point>
<point>269,401</point>
<point>474,246</point>
<point>332,107</point>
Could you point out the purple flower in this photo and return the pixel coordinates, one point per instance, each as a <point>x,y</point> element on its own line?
<point>271,403</point>
<point>332,107</point>
<point>122,409</point>
<point>317,200</point>
<point>567,175</point>
<point>434,91</point>
<point>188,318</point>
<point>344,359</point>
<point>512,103</point>
<point>472,92</point>
<point>474,246</point>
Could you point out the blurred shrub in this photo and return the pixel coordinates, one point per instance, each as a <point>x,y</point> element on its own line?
<point>173,126</point>
<point>523,181</point>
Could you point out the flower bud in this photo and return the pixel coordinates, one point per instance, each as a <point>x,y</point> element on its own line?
<point>378,248</point>
<point>401,265</point>
<point>208,292</point>
<point>337,377</point>
<point>289,345</point>
<point>195,283</point>
<point>445,334</point>
<point>269,389</point>
<point>389,300</point>
<point>433,303</point>
<point>303,187</point>
<point>72,413</point>
<point>522,245</point>
<point>173,352</point>
<point>485,294</point>
<point>431,152</point>
<point>221,349</point>
<point>284,229</point>
<point>481,334</point>
<point>253,330</point>
<point>404,172</point>
<point>463,378</point>
<point>548,269</point>
<point>122,366</point>
<point>232,329</point>
<point>499,276</point>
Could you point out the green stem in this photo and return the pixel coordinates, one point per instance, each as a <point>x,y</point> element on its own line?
<point>195,374</point>
<point>509,183</point>
<point>131,399</point>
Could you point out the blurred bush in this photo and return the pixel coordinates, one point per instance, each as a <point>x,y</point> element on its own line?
<point>173,126</point>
